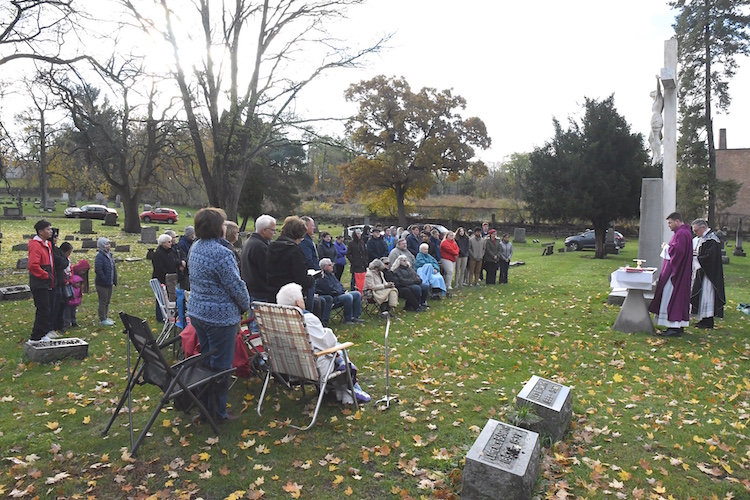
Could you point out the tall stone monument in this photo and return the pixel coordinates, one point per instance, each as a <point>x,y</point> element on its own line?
<point>669,167</point>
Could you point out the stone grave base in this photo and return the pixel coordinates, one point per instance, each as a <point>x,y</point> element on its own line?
<point>502,463</point>
<point>552,402</point>
<point>48,351</point>
<point>17,292</point>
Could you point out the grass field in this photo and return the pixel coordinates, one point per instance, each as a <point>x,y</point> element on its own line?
<point>653,417</point>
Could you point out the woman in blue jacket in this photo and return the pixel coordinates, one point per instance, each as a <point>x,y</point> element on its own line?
<point>106,279</point>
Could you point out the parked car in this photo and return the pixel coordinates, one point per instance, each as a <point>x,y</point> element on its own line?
<point>443,230</point>
<point>587,239</point>
<point>89,212</point>
<point>159,215</point>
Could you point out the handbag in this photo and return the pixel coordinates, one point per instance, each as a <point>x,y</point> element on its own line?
<point>68,291</point>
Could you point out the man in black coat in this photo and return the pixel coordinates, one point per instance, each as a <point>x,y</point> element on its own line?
<point>707,298</point>
<point>253,259</point>
<point>376,246</point>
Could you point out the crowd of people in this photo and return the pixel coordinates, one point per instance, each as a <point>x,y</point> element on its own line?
<point>386,265</point>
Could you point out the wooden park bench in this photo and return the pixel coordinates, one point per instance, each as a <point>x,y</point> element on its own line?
<point>548,248</point>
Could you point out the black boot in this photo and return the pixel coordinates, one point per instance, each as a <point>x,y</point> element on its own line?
<point>672,332</point>
<point>707,323</point>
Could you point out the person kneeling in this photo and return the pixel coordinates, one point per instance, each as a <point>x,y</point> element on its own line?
<point>321,338</point>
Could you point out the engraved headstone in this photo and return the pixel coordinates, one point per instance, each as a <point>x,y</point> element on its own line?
<point>22,263</point>
<point>148,235</point>
<point>65,197</point>
<point>738,251</point>
<point>69,237</point>
<point>519,235</point>
<point>21,247</point>
<point>88,244</point>
<point>48,351</point>
<point>16,292</point>
<point>99,198</point>
<point>146,207</point>
<point>552,402</point>
<point>110,220</point>
<point>122,248</point>
<point>502,463</point>
<point>87,226</point>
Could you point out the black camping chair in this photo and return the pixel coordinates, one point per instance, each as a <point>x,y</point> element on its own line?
<point>185,382</point>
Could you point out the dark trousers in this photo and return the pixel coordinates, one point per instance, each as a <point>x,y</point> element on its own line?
<point>406,293</point>
<point>504,271</point>
<point>491,269</point>
<point>58,306</point>
<point>42,319</point>
<point>338,270</point>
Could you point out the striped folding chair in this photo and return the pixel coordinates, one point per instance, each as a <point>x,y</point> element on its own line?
<point>290,356</point>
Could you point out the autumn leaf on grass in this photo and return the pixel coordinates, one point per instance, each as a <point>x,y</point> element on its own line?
<point>87,420</point>
<point>441,454</point>
<point>418,442</point>
<point>57,477</point>
<point>715,471</point>
<point>338,479</point>
<point>52,425</point>
<point>255,494</point>
<point>617,377</point>
<point>293,489</point>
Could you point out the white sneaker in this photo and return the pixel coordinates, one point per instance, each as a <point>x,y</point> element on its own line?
<point>52,334</point>
<point>106,322</point>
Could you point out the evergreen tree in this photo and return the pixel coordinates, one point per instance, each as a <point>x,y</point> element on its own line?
<point>710,36</point>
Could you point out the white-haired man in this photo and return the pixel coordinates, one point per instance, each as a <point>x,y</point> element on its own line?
<point>329,285</point>
<point>320,337</point>
<point>707,298</point>
<point>253,259</point>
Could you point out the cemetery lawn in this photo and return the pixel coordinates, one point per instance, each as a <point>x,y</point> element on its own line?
<point>653,417</point>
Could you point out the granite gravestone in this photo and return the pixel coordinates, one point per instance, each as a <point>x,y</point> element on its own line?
<point>87,227</point>
<point>16,292</point>
<point>519,235</point>
<point>551,401</point>
<point>148,235</point>
<point>502,463</point>
<point>48,351</point>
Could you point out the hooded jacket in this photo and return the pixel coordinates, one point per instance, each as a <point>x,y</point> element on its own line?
<point>286,263</point>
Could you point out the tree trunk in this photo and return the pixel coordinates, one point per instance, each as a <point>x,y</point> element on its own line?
<point>131,204</point>
<point>400,196</point>
<point>600,236</point>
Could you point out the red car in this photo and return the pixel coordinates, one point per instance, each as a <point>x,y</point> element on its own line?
<point>160,215</point>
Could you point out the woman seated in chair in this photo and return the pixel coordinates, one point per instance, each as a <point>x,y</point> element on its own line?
<point>320,338</point>
<point>407,289</point>
<point>429,270</point>
<point>407,276</point>
<point>382,291</point>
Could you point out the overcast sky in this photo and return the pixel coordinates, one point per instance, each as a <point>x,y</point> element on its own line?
<point>519,64</point>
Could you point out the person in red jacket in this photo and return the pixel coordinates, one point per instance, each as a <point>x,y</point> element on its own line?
<point>41,279</point>
<point>448,256</point>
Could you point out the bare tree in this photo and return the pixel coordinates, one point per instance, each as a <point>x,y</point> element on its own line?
<point>39,129</point>
<point>257,57</point>
<point>126,147</point>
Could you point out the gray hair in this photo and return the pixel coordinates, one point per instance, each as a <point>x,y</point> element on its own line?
<point>163,238</point>
<point>325,262</point>
<point>699,223</point>
<point>377,264</point>
<point>424,247</point>
<point>263,222</point>
<point>170,233</point>
<point>289,294</point>
<point>398,262</point>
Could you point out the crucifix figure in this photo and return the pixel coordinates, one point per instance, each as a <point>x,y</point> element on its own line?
<point>655,136</point>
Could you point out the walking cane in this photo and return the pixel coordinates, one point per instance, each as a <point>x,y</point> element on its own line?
<point>387,398</point>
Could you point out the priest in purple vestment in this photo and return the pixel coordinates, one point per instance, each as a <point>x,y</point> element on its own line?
<point>671,303</point>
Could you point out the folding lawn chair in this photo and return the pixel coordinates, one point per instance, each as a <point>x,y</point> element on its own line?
<point>168,310</point>
<point>291,358</point>
<point>185,382</point>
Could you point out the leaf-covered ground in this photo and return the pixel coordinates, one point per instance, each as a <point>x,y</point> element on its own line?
<point>653,418</point>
